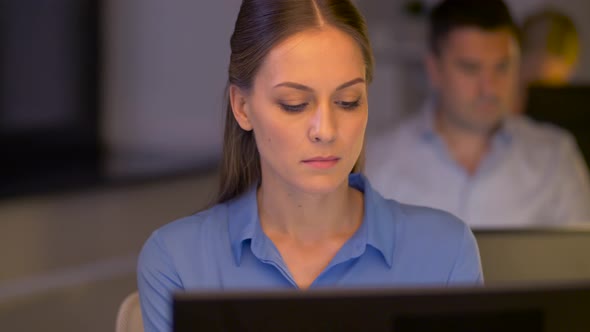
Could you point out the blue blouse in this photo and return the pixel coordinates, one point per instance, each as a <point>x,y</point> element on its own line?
<point>224,247</point>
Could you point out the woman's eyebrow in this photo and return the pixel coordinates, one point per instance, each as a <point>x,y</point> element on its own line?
<point>308,89</point>
<point>350,83</point>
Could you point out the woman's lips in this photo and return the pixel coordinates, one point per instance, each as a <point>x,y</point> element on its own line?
<point>321,162</point>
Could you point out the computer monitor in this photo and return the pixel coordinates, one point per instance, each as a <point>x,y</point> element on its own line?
<point>546,308</point>
<point>565,106</point>
<point>535,254</point>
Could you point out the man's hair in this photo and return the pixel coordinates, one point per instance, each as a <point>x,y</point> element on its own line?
<point>449,15</point>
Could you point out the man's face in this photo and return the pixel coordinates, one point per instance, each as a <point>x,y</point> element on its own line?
<point>475,75</point>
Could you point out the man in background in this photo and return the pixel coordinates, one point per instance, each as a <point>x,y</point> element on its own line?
<point>466,152</point>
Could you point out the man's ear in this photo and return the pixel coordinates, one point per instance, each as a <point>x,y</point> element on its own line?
<point>431,63</point>
<point>240,107</point>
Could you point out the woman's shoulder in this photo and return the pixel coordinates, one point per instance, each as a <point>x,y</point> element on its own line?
<point>424,241</point>
<point>430,218</point>
<point>425,222</point>
<point>430,237</point>
<point>197,228</point>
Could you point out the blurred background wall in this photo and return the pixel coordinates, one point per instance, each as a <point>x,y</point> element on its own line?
<point>167,64</point>
<point>166,69</point>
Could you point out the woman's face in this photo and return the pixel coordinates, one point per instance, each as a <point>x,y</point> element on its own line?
<point>308,110</point>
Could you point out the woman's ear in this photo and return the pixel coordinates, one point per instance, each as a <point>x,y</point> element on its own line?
<point>240,107</point>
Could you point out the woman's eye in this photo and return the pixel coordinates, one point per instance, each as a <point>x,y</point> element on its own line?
<point>349,105</point>
<point>293,108</point>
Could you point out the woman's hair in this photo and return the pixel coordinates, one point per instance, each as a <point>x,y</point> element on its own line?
<point>262,24</point>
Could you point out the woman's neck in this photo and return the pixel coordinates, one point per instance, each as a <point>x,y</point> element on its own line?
<point>309,218</point>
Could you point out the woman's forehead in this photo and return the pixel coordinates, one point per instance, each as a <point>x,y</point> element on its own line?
<point>314,55</point>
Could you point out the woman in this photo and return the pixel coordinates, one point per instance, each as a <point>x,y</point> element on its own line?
<point>293,209</point>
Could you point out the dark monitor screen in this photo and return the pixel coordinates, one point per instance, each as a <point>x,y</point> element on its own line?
<point>547,308</point>
<point>567,107</point>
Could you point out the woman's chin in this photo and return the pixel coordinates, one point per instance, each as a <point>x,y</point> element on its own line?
<point>323,185</point>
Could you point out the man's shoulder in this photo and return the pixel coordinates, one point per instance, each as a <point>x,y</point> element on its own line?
<point>541,134</point>
<point>539,143</point>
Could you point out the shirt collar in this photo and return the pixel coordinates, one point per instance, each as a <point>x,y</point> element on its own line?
<point>243,220</point>
<point>425,123</point>
<point>378,217</point>
<point>377,229</point>
<point>426,130</point>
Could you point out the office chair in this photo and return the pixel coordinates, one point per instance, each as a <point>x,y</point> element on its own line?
<point>129,315</point>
